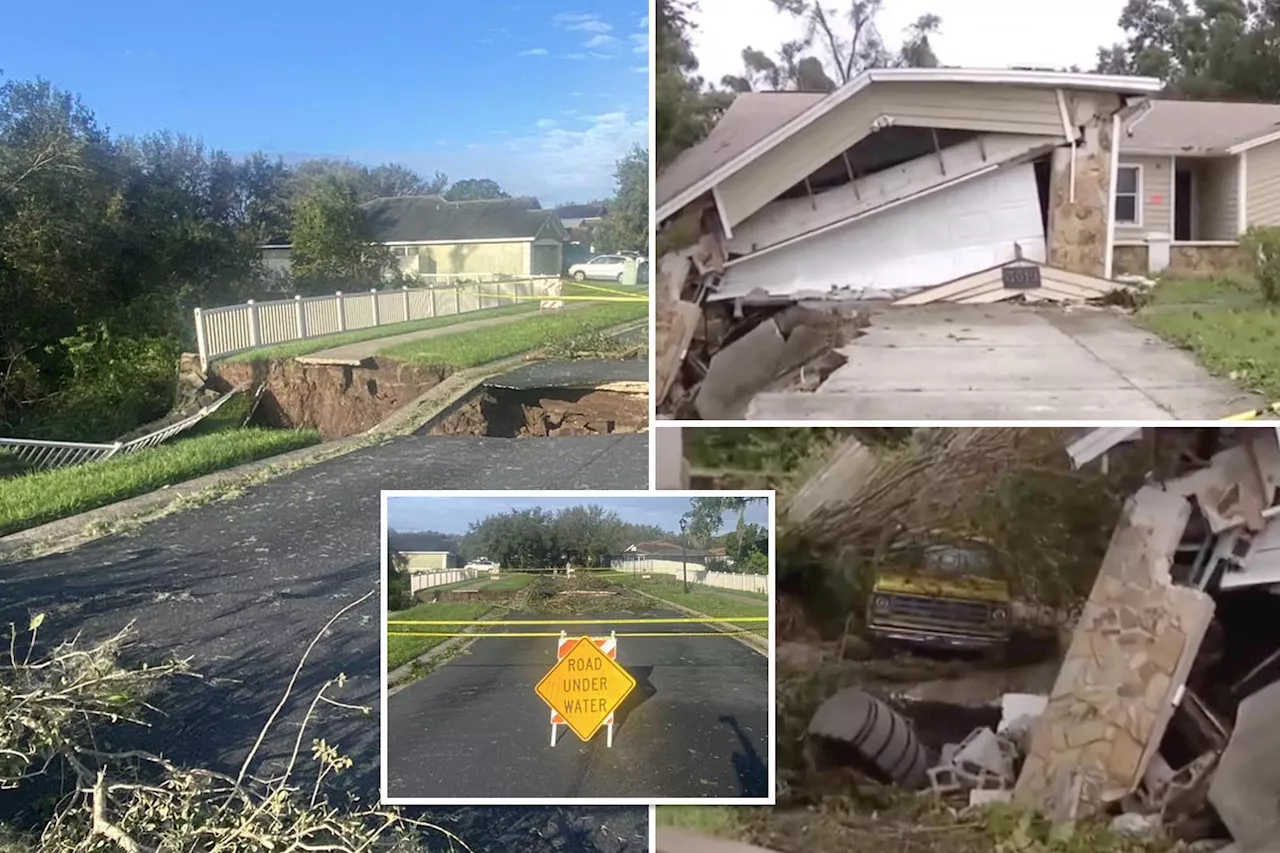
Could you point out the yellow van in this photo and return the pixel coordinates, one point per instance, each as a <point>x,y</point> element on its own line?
<point>941,596</point>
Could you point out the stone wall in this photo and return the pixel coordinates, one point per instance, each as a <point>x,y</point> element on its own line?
<point>1078,230</point>
<point>1130,651</point>
<point>1206,259</point>
<point>1129,260</point>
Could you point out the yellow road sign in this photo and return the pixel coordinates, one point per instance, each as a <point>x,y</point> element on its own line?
<point>585,687</point>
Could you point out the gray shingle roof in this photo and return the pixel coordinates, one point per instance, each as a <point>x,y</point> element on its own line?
<point>1188,127</point>
<point>751,117</point>
<point>422,218</point>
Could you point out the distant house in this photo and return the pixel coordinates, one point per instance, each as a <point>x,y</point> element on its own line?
<point>430,561</point>
<point>431,236</point>
<point>665,557</point>
<point>581,215</point>
<point>424,552</point>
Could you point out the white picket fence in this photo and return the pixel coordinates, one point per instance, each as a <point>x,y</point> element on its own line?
<point>426,580</point>
<point>47,455</point>
<point>236,328</point>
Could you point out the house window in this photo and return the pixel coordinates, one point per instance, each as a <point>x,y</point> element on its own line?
<point>398,251</point>
<point>1129,195</point>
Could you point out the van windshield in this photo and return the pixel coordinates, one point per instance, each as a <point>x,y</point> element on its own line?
<point>948,560</point>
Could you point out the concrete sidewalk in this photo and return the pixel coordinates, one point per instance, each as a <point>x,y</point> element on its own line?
<point>1007,362</point>
<point>361,351</point>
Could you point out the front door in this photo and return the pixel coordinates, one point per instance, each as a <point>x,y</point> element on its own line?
<point>1183,203</point>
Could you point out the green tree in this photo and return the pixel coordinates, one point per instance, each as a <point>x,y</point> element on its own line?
<point>332,243</point>
<point>475,189</point>
<point>686,107</point>
<point>627,224</point>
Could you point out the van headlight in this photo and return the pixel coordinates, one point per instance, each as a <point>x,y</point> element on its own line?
<point>999,614</point>
<point>880,603</point>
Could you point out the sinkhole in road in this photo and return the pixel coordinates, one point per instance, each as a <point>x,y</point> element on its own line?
<point>543,412</point>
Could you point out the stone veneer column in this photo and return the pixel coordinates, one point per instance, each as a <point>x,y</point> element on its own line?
<point>1077,238</point>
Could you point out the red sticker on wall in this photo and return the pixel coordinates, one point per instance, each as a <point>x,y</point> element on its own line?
<point>1157,199</point>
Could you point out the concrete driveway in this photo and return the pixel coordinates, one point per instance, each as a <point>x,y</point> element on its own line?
<point>1009,362</point>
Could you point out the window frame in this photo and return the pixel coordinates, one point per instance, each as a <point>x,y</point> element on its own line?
<point>1136,194</point>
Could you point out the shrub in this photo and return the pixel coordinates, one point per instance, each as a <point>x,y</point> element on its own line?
<point>1262,247</point>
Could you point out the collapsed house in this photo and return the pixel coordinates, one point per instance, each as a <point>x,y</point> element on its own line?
<point>914,186</point>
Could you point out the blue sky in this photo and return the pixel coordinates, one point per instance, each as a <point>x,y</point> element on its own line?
<point>543,97</point>
<point>454,514</point>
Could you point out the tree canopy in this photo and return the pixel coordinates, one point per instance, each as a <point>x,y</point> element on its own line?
<point>108,243</point>
<point>626,226</point>
<point>475,189</point>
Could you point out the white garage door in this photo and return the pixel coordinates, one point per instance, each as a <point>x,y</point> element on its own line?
<point>942,236</point>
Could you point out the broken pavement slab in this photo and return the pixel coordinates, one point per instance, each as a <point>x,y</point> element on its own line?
<point>1131,651</point>
<point>1245,789</point>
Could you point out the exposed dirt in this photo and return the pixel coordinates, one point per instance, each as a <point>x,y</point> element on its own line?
<point>543,412</point>
<point>337,400</point>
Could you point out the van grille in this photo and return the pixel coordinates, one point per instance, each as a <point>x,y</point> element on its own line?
<point>944,610</point>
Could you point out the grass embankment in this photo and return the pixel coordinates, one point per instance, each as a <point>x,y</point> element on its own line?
<point>324,342</point>
<point>402,650</point>
<point>509,583</point>
<point>32,499</point>
<point>1225,322</point>
<point>703,599</point>
<point>482,346</point>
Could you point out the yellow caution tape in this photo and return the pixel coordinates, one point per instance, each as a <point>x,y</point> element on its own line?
<point>1256,413</point>
<point>524,635</point>
<point>651,621</point>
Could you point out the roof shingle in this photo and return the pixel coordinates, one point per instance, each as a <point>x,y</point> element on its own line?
<point>409,219</point>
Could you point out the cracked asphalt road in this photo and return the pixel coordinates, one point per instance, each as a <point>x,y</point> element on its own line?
<point>697,724</point>
<point>243,584</point>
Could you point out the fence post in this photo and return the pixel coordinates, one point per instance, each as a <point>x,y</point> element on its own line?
<point>255,330</point>
<point>201,344</point>
<point>342,312</point>
<point>300,316</point>
<point>457,299</point>
<point>431,297</point>
<point>405,293</point>
<point>373,302</point>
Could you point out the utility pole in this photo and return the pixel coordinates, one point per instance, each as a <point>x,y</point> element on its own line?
<point>684,561</point>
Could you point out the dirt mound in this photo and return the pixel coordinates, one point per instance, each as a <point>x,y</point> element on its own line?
<point>338,400</point>
<point>542,412</point>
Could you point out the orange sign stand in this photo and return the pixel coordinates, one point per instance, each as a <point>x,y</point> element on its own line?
<point>586,686</point>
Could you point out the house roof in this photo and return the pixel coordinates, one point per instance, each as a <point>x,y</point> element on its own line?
<point>750,118</point>
<point>722,154</point>
<point>655,547</point>
<point>581,211</point>
<point>1197,127</point>
<point>421,543</point>
<point>411,219</point>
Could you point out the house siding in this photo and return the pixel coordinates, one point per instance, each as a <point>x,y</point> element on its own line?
<point>1217,213</point>
<point>1157,196</point>
<point>1262,174</point>
<point>508,258</point>
<point>433,561</point>
<point>990,109</point>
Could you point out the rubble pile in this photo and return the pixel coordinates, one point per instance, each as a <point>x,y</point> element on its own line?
<point>714,357</point>
<point>1164,717</point>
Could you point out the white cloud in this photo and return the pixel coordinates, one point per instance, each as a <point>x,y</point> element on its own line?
<point>641,42</point>
<point>582,23</point>
<point>575,56</point>
<point>599,41</point>
<point>599,55</point>
<point>545,123</point>
<point>569,164</point>
<point>640,69</point>
<point>536,51</point>
<point>644,22</point>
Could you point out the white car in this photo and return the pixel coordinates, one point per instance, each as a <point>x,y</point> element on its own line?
<point>484,564</point>
<point>601,268</point>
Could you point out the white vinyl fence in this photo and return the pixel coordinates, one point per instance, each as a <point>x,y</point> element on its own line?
<point>47,455</point>
<point>236,328</point>
<point>698,574</point>
<point>426,580</point>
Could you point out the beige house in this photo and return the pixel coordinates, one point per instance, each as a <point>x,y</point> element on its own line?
<point>430,561</point>
<point>904,180</point>
<point>661,557</point>
<point>1192,177</point>
<point>433,237</point>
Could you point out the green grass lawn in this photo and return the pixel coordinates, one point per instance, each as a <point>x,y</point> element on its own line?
<point>401,650</point>
<point>704,599</point>
<point>509,583</point>
<point>718,821</point>
<point>1225,323</point>
<point>481,346</point>
<point>32,499</point>
<point>310,345</point>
